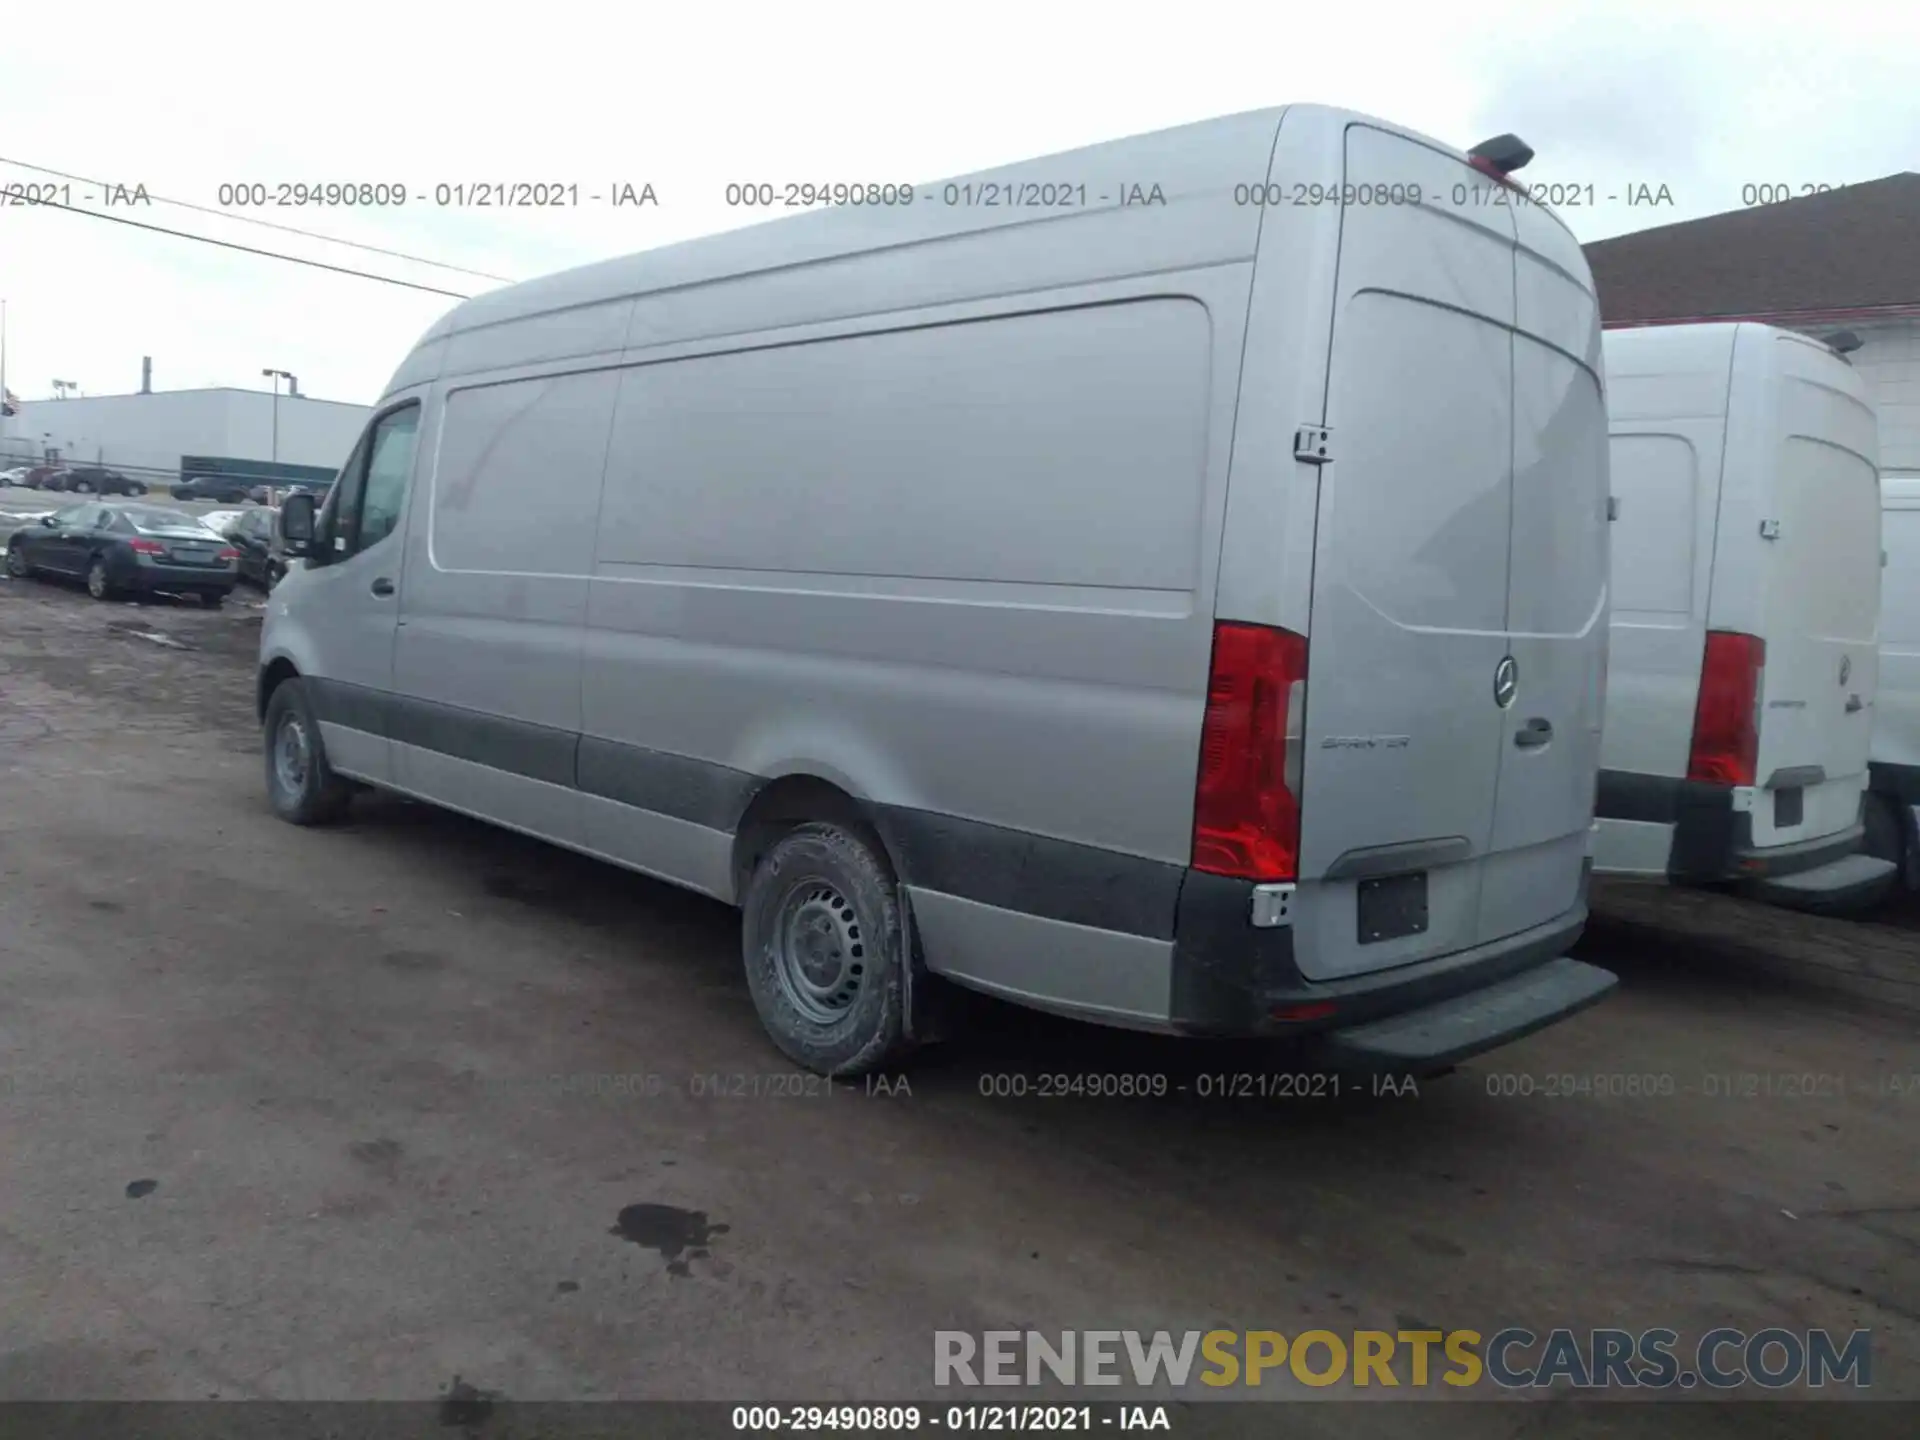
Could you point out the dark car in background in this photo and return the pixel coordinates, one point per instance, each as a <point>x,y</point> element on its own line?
<point>121,549</point>
<point>96,480</point>
<point>227,489</point>
<point>255,534</point>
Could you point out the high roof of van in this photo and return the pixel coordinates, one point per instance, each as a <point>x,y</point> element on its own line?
<point>1206,158</point>
<point>1670,348</point>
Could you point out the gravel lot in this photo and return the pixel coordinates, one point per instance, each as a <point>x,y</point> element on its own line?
<point>277,1121</point>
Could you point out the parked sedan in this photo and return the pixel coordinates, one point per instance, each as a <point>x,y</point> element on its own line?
<point>98,480</point>
<point>226,489</point>
<point>253,533</point>
<point>126,549</point>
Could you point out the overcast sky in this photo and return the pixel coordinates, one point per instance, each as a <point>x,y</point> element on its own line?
<point>184,96</point>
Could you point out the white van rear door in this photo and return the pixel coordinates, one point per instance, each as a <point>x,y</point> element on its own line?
<point>1820,587</point>
<point>1556,589</point>
<point>1402,736</point>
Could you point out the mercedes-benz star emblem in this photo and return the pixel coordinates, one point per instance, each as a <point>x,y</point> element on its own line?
<point>1506,682</point>
<point>1846,668</point>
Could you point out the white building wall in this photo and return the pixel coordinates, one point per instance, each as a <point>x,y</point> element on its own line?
<point>312,432</point>
<point>129,432</point>
<point>1889,362</point>
<point>149,433</point>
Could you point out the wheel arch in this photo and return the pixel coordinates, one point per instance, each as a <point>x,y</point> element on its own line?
<point>272,675</point>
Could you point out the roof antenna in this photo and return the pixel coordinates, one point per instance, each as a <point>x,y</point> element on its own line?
<point>1843,342</point>
<point>1502,155</point>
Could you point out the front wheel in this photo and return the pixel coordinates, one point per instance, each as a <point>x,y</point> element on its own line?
<point>823,944</point>
<point>18,565</point>
<point>99,584</point>
<point>301,785</point>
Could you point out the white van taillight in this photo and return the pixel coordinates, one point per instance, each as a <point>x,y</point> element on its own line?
<point>1246,809</point>
<point>1726,719</point>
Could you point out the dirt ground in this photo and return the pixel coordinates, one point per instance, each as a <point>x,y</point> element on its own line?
<point>278,1121</point>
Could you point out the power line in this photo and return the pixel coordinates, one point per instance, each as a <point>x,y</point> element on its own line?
<point>268,224</point>
<point>248,249</point>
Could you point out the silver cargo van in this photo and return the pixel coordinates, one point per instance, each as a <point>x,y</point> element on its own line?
<point>1164,584</point>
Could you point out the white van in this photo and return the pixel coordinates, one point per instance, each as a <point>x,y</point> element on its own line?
<point>1163,584</point>
<point>1893,788</point>
<point>1746,601</point>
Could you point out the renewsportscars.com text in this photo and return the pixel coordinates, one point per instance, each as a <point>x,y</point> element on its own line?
<point>1512,1358</point>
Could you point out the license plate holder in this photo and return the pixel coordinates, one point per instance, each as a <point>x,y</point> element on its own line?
<point>1392,907</point>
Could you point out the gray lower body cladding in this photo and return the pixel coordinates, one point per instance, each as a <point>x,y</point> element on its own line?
<point>1226,977</point>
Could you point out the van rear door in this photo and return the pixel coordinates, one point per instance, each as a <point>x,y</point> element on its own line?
<point>1403,738</point>
<point>1557,611</point>
<point>1820,589</point>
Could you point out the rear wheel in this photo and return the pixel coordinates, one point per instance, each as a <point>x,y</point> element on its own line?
<point>99,584</point>
<point>823,945</point>
<point>301,785</point>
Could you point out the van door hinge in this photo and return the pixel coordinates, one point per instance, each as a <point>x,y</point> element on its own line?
<point>1769,529</point>
<point>1311,444</point>
<point>1613,507</point>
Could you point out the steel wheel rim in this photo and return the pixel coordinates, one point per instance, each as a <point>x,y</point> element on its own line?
<point>16,560</point>
<point>292,756</point>
<point>819,952</point>
<point>97,580</point>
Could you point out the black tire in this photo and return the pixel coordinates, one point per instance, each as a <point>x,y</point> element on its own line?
<point>213,599</point>
<point>18,565</point>
<point>99,582</point>
<point>826,887</point>
<point>309,795</point>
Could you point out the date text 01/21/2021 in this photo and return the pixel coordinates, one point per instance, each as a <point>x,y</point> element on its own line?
<point>908,1419</point>
<point>964,194</point>
<point>446,195</point>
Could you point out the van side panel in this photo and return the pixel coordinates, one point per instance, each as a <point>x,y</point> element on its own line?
<point>486,710</point>
<point>1896,724</point>
<point>961,569</point>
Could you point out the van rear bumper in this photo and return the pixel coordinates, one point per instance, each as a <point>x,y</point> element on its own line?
<point>1713,842</point>
<point>1230,978</point>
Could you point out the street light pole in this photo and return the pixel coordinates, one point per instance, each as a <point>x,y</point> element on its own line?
<point>274,376</point>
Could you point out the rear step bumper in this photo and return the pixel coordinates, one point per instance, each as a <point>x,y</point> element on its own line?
<point>1232,979</point>
<point>1836,884</point>
<point>1441,1035</point>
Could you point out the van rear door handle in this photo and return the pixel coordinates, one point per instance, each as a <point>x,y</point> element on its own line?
<point>1534,733</point>
<point>383,586</point>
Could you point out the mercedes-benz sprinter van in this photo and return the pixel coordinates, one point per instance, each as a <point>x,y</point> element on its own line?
<point>1893,783</point>
<point>1163,584</point>
<point>1746,604</point>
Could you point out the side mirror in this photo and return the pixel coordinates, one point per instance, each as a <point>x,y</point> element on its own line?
<point>296,525</point>
<point>52,522</point>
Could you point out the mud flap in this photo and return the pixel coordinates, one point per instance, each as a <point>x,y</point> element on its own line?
<point>925,1007</point>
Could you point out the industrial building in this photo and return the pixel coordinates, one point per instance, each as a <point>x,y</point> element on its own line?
<point>164,436</point>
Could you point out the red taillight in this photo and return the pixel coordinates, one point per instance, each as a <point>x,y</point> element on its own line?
<point>147,547</point>
<point>1726,719</point>
<point>1246,809</point>
<point>228,554</point>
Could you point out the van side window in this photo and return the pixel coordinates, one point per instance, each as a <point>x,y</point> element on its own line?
<point>390,467</point>
<point>370,494</point>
